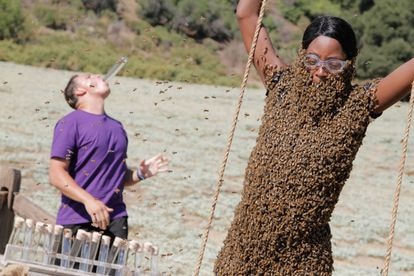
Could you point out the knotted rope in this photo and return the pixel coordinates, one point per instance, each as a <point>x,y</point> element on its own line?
<point>230,138</point>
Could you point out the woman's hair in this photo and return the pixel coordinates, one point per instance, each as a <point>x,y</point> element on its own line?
<point>69,92</point>
<point>333,27</point>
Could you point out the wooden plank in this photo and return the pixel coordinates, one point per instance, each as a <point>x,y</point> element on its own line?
<point>25,208</point>
<point>42,270</point>
<point>35,267</point>
<point>9,185</point>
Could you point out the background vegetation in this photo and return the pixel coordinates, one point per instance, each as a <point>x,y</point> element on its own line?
<point>186,40</point>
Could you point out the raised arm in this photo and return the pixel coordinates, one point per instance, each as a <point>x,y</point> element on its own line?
<point>395,86</point>
<point>247,16</point>
<point>147,168</point>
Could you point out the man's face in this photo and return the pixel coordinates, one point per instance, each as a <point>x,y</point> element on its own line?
<point>93,84</point>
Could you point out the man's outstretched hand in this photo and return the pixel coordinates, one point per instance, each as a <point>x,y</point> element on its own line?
<point>154,165</point>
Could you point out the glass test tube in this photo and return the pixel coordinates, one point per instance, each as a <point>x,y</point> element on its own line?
<point>48,243</point>
<point>137,251</point>
<point>154,261</point>
<point>96,238</point>
<point>38,242</point>
<point>66,248</point>
<point>28,235</point>
<point>147,248</point>
<point>122,257</point>
<point>113,252</point>
<point>86,251</point>
<point>76,246</point>
<point>17,232</point>
<point>103,254</point>
<point>115,68</point>
<point>56,240</point>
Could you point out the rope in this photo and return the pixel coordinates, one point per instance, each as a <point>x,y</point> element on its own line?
<point>384,271</point>
<point>230,138</point>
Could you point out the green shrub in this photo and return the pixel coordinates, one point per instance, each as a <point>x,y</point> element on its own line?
<point>196,19</point>
<point>57,16</point>
<point>157,12</point>
<point>203,19</point>
<point>11,19</point>
<point>100,5</point>
<point>187,61</point>
<point>293,11</point>
<point>379,61</point>
<point>387,37</point>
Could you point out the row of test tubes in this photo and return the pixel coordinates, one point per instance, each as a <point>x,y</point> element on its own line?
<point>88,252</point>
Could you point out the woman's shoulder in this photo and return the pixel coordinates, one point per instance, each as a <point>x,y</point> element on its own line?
<point>370,86</point>
<point>367,90</point>
<point>272,75</point>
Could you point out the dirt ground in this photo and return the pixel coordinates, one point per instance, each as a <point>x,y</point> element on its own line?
<point>190,124</point>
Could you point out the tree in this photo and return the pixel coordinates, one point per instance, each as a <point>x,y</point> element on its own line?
<point>197,19</point>
<point>387,37</point>
<point>99,5</point>
<point>294,10</point>
<point>202,19</point>
<point>157,12</point>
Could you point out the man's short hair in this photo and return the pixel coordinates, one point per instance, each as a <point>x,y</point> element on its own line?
<point>69,92</point>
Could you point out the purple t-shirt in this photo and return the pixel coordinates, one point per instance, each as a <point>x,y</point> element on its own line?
<point>96,146</point>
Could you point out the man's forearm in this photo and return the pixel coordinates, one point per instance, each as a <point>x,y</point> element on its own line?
<point>131,177</point>
<point>61,179</point>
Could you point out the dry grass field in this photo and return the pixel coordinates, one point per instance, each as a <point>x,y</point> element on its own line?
<point>190,123</point>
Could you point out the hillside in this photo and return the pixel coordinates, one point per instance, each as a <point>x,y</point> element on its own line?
<point>189,41</point>
<point>64,35</point>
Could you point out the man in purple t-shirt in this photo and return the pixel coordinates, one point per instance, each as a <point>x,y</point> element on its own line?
<point>88,161</point>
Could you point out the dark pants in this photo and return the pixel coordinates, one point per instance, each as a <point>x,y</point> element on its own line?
<point>116,228</point>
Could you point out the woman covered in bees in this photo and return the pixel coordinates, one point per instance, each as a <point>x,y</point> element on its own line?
<point>313,125</point>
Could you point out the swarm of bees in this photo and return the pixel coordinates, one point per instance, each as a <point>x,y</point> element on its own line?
<point>309,136</point>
